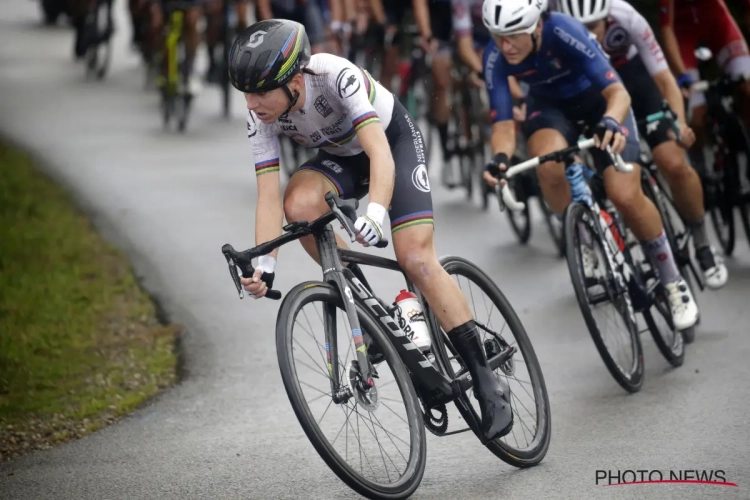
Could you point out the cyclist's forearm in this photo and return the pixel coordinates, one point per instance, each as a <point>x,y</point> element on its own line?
<point>468,55</point>
<point>269,218</point>
<point>264,10</point>
<point>422,17</point>
<point>382,176</point>
<point>378,13</point>
<point>503,139</point>
<point>515,88</point>
<point>618,102</point>
<point>671,92</point>
<point>672,50</point>
<point>337,11</point>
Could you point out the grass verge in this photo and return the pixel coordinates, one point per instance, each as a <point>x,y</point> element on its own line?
<point>80,344</point>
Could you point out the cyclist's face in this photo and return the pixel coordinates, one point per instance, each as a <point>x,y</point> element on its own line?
<point>267,105</point>
<point>598,28</point>
<point>515,48</point>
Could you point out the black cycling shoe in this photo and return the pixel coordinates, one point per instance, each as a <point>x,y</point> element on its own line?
<point>491,392</point>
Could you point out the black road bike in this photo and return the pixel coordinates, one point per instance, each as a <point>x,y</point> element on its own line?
<point>373,365</point>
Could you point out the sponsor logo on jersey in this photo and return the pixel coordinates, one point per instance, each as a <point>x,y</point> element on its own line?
<point>616,39</point>
<point>611,75</point>
<point>420,178</point>
<point>574,42</point>
<point>418,142</point>
<point>491,60</point>
<point>288,128</point>
<point>332,165</point>
<point>315,136</point>
<point>555,63</point>
<point>252,125</point>
<point>336,127</point>
<point>322,106</point>
<point>347,83</point>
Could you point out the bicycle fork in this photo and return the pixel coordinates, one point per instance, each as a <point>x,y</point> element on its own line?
<point>624,277</point>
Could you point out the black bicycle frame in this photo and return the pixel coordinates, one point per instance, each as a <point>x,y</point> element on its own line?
<point>440,388</point>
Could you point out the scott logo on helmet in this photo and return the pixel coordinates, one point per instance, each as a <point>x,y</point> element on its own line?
<point>256,39</point>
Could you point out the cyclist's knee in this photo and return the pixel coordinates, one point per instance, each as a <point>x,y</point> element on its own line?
<point>624,191</point>
<point>671,160</point>
<point>552,174</point>
<point>414,251</point>
<point>304,197</point>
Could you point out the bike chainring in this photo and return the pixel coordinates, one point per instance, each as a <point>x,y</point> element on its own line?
<point>436,425</point>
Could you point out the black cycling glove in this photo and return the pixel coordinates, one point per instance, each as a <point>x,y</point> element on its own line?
<point>607,123</point>
<point>493,167</point>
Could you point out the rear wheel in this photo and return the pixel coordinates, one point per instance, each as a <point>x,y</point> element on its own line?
<point>500,329</point>
<point>621,352</point>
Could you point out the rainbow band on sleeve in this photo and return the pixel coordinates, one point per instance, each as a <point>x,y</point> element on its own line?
<point>410,220</point>
<point>266,167</point>
<point>365,119</point>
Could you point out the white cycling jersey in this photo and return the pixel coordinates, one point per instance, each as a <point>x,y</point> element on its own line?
<point>339,100</point>
<point>628,35</point>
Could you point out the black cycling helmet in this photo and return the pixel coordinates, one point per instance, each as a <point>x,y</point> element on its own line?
<point>266,55</point>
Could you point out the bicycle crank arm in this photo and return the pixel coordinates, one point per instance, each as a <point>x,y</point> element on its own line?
<point>464,381</point>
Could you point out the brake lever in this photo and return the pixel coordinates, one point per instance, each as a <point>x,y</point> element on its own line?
<point>235,277</point>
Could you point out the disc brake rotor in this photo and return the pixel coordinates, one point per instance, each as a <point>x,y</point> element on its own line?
<point>367,399</point>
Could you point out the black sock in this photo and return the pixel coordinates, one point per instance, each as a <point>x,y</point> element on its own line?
<point>442,129</point>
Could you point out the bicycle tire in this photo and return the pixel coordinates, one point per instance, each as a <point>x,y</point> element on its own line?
<point>742,145</point>
<point>633,381</point>
<point>537,450</point>
<point>521,230</point>
<point>674,350</point>
<point>557,235</point>
<point>313,291</point>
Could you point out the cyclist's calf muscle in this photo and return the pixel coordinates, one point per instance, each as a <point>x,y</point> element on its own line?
<point>682,179</point>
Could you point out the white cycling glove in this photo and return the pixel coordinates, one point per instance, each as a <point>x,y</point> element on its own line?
<point>370,226</point>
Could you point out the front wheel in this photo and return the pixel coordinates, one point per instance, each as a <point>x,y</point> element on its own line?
<point>373,440</point>
<point>597,287</point>
<point>499,329</point>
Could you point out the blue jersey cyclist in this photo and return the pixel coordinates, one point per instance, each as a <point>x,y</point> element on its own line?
<point>572,87</point>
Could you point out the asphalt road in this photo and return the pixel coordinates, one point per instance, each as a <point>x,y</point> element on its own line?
<point>228,431</point>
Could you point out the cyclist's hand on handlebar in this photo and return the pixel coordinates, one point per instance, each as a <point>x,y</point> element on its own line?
<point>476,80</point>
<point>609,132</point>
<point>494,171</point>
<point>685,81</point>
<point>255,284</point>
<point>687,135</point>
<point>370,227</point>
<point>428,44</point>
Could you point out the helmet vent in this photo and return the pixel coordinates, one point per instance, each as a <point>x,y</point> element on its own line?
<point>498,9</point>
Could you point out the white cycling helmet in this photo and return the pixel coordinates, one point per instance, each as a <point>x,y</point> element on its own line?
<point>510,17</point>
<point>586,11</point>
